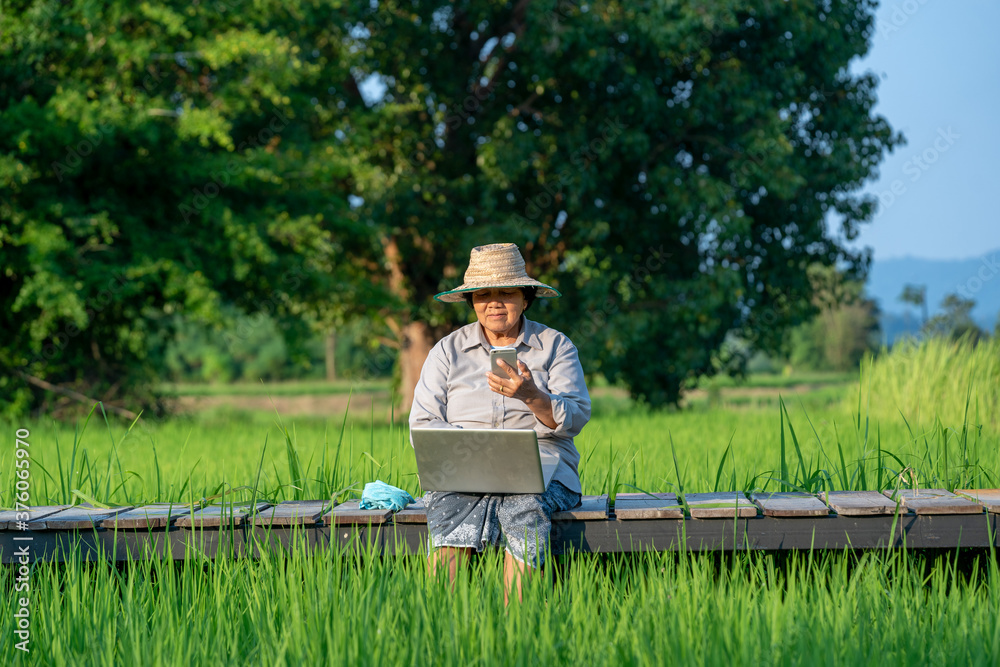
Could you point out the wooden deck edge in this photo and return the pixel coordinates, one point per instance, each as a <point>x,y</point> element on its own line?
<point>610,536</point>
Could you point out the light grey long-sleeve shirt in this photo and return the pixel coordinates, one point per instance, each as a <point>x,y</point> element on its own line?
<point>453,390</point>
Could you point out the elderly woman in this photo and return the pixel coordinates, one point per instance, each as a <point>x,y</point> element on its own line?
<point>546,393</point>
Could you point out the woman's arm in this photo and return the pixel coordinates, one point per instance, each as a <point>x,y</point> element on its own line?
<point>541,404</point>
<point>567,392</point>
<point>565,408</point>
<point>430,397</point>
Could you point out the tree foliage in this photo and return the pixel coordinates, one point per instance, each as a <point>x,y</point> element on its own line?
<point>845,328</point>
<point>670,166</point>
<point>955,321</point>
<point>163,159</point>
<point>916,295</point>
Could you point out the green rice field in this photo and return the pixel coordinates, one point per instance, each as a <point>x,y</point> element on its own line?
<point>923,416</point>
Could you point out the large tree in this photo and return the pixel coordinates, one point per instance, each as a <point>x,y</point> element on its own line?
<point>671,166</point>
<point>167,158</point>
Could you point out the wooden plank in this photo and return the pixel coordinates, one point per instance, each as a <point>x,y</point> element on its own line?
<point>77,517</point>
<point>988,498</point>
<point>790,504</point>
<point>763,533</point>
<point>225,515</point>
<point>291,513</point>
<point>348,512</point>
<point>158,515</point>
<point>858,503</point>
<point>935,501</point>
<point>9,520</point>
<point>630,506</point>
<point>591,508</point>
<point>415,512</point>
<point>722,505</point>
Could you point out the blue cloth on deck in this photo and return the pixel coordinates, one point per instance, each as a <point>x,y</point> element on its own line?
<point>382,496</point>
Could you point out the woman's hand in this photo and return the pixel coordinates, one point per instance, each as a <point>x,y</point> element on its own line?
<point>519,385</point>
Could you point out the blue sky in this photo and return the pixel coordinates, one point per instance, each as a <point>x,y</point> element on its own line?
<point>939,64</point>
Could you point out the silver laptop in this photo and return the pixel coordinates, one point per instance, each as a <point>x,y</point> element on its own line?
<point>482,460</point>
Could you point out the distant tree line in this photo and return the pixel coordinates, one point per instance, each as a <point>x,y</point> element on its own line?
<point>847,326</point>
<point>955,319</point>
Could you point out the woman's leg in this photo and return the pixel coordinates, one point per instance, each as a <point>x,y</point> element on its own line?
<point>526,523</point>
<point>513,571</point>
<point>450,558</point>
<point>459,525</point>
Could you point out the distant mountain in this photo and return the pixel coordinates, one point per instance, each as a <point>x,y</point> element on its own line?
<point>977,279</point>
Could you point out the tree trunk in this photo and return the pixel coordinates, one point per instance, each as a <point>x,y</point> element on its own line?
<point>331,361</point>
<point>416,343</point>
<point>416,338</point>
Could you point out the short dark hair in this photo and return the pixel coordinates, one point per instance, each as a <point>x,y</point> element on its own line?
<point>528,292</point>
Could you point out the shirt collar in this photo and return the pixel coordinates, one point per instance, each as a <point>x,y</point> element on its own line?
<point>529,335</point>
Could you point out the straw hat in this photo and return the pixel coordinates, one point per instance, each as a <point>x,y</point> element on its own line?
<point>496,265</point>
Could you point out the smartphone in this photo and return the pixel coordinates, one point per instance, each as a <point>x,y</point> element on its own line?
<point>508,354</point>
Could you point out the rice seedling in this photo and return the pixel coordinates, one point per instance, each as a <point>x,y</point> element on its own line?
<point>340,605</point>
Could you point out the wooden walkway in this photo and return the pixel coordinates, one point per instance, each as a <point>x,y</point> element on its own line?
<point>927,518</point>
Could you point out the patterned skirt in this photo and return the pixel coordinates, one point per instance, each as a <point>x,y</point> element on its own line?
<point>521,523</point>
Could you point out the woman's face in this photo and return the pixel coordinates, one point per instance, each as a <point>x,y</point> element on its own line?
<point>499,310</point>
